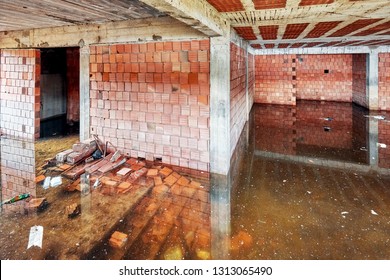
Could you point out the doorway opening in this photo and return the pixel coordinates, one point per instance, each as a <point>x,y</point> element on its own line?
<point>60,94</point>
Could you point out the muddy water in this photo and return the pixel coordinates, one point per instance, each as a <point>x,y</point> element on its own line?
<point>307,182</point>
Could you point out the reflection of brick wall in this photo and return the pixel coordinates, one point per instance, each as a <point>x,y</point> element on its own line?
<point>20,92</point>
<point>17,170</point>
<point>237,93</point>
<point>314,84</point>
<point>275,79</point>
<point>384,81</point>
<point>152,100</point>
<point>310,124</point>
<point>275,128</point>
<point>73,81</point>
<point>384,138</point>
<point>359,74</point>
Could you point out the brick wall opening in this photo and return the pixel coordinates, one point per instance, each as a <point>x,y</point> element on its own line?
<point>59,100</point>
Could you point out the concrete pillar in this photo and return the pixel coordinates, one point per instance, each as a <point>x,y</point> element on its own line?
<point>84,93</point>
<point>220,201</point>
<point>372,80</point>
<point>220,105</point>
<point>373,151</point>
<point>247,82</point>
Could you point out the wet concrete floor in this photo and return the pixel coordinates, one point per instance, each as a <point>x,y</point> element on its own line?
<point>307,182</point>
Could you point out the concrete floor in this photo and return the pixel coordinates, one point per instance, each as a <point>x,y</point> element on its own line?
<point>295,191</point>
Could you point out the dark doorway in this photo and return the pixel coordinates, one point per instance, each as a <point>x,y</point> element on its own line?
<point>60,105</point>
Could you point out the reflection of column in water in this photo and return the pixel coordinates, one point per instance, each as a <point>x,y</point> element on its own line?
<point>85,198</point>
<point>220,216</point>
<point>373,141</point>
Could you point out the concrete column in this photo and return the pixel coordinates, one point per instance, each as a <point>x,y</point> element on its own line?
<point>247,82</point>
<point>373,151</point>
<point>372,80</point>
<point>220,201</point>
<point>220,105</point>
<point>84,93</point>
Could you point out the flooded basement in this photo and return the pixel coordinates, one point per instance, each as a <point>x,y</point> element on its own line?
<point>307,182</point>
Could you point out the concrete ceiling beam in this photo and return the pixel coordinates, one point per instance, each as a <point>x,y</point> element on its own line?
<point>198,14</point>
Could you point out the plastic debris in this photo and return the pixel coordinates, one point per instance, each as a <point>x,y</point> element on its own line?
<point>35,237</point>
<point>329,119</point>
<point>374,213</point>
<point>327,128</point>
<point>46,183</point>
<point>363,149</point>
<point>381,145</point>
<point>376,117</point>
<point>16,198</point>
<point>56,181</point>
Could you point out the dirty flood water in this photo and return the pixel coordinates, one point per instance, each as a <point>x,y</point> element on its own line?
<point>307,182</point>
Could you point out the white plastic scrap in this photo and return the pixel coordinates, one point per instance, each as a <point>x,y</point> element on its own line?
<point>46,183</point>
<point>56,181</point>
<point>36,236</point>
<point>381,145</point>
<point>374,213</point>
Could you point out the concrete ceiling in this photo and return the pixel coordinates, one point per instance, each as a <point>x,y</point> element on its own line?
<point>22,15</point>
<point>265,24</point>
<point>308,23</point>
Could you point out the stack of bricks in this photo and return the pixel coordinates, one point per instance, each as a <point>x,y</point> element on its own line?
<point>384,81</point>
<point>17,171</point>
<point>324,77</point>
<point>359,76</point>
<point>151,100</point>
<point>20,92</point>
<point>384,138</point>
<point>251,79</point>
<point>237,93</point>
<point>275,79</point>
<point>73,82</point>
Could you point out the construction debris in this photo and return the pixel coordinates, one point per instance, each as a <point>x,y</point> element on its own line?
<point>73,210</point>
<point>36,205</point>
<point>118,239</point>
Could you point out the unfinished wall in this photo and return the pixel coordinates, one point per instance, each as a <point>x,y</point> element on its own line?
<point>151,100</point>
<point>17,170</point>
<point>275,79</point>
<point>20,93</point>
<point>324,77</point>
<point>359,79</point>
<point>384,81</point>
<point>238,115</point>
<point>73,84</point>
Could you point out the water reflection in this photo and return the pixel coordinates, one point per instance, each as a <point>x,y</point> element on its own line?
<point>313,184</point>
<point>306,182</point>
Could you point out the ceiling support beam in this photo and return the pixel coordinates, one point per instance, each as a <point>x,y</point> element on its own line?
<point>198,14</point>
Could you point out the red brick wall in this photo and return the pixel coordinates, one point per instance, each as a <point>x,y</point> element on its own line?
<point>314,84</point>
<point>152,100</point>
<point>237,93</point>
<point>73,84</point>
<point>384,138</point>
<point>275,79</point>
<point>384,81</point>
<point>359,77</point>
<point>20,92</point>
<point>17,170</point>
